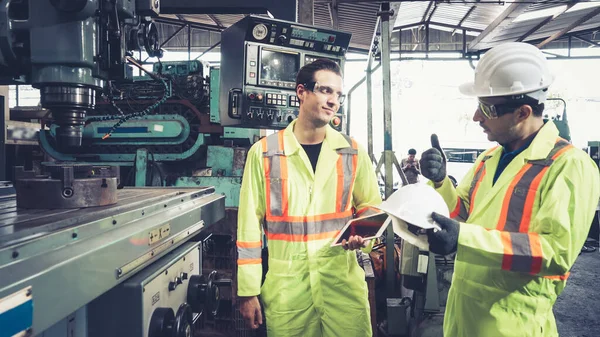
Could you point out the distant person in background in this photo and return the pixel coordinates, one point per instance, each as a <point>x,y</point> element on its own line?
<point>410,167</point>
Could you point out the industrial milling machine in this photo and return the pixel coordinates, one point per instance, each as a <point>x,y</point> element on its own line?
<point>79,254</point>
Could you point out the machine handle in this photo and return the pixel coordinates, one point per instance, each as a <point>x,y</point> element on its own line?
<point>234,103</point>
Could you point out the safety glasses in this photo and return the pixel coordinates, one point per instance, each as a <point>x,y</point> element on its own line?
<point>325,90</point>
<point>493,111</point>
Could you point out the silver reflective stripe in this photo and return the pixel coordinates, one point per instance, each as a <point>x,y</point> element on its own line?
<point>516,204</point>
<point>305,228</point>
<point>463,213</point>
<point>274,155</point>
<point>521,258</point>
<point>346,157</point>
<point>249,253</point>
<point>477,177</point>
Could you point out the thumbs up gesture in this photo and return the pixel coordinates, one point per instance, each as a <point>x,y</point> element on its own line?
<point>433,162</point>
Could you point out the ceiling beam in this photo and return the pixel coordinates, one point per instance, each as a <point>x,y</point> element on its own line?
<point>425,15</point>
<point>215,20</point>
<point>194,25</point>
<point>587,41</point>
<point>570,27</point>
<point>333,14</point>
<point>545,22</point>
<point>502,21</point>
<point>464,18</point>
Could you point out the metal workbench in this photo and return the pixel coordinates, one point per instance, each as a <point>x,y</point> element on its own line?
<point>64,258</point>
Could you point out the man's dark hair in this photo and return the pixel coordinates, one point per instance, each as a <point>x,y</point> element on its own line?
<point>537,108</point>
<point>307,73</point>
<point>412,151</point>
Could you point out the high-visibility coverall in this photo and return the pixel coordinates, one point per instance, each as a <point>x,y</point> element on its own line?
<point>518,237</point>
<point>311,289</point>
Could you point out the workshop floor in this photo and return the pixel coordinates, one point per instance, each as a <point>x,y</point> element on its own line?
<point>577,309</point>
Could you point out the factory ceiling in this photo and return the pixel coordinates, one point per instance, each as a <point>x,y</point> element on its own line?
<point>484,23</point>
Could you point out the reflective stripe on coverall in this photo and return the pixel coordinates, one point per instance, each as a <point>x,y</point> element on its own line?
<point>311,289</point>
<point>519,237</point>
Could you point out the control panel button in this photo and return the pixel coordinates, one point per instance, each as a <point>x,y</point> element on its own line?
<point>336,121</point>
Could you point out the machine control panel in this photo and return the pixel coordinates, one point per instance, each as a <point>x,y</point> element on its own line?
<point>164,299</point>
<point>258,85</point>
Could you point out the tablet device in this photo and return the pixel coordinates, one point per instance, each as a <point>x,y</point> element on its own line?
<point>368,227</point>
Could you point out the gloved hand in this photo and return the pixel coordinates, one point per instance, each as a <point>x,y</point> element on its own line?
<point>433,162</point>
<point>445,241</point>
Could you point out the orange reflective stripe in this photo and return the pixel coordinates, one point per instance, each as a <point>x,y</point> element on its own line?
<point>301,237</point>
<point>456,210</point>
<point>313,218</point>
<point>504,212</point>
<point>522,252</point>
<point>478,178</point>
<point>241,262</point>
<point>248,244</point>
<point>558,277</point>
<point>508,252</point>
<point>339,192</point>
<point>536,252</point>
<point>369,210</point>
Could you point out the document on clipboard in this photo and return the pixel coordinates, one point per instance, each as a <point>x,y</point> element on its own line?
<point>367,227</point>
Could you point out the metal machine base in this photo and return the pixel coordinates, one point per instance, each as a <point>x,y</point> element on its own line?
<point>69,185</point>
<point>57,261</point>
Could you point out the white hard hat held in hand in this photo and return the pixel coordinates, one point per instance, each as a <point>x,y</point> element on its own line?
<point>413,205</point>
<point>509,69</point>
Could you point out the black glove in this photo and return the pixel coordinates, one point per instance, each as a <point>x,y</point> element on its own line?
<point>433,162</point>
<point>443,242</point>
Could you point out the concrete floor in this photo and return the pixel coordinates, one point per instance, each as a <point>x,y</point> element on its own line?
<point>577,309</point>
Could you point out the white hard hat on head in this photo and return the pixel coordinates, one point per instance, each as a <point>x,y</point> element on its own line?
<point>509,69</point>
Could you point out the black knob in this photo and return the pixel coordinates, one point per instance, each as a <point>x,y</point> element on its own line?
<point>184,322</point>
<point>162,323</point>
<point>173,284</point>
<point>282,39</point>
<point>183,276</point>
<point>290,119</point>
<point>203,293</point>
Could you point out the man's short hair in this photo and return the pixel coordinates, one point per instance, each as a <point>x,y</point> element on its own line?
<point>412,151</point>
<point>307,73</point>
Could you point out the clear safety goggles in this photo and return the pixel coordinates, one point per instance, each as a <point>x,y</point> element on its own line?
<point>325,90</point>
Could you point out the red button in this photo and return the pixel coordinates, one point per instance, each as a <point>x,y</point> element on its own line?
<point>336,121</point>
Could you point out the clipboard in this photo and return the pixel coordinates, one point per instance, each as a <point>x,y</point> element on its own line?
<point>368,227</point>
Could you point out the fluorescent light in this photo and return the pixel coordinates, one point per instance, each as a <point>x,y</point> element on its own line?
<point>584,5</point>
<point>543,13</point>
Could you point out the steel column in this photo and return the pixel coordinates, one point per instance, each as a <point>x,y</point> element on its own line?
<point>306,12</point>
<point>189,43</point>
<point>141,167</point>
<point>370,109</point>
<point>3,118</point>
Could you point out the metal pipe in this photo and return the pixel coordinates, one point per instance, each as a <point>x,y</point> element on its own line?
<point>189,42</point>
<point>348,105</point>
<point>369,78</point>
<point>391,288</point>
<point>387,99</point>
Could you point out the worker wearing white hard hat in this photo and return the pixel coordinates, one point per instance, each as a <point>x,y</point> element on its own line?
<point>520,216</point>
